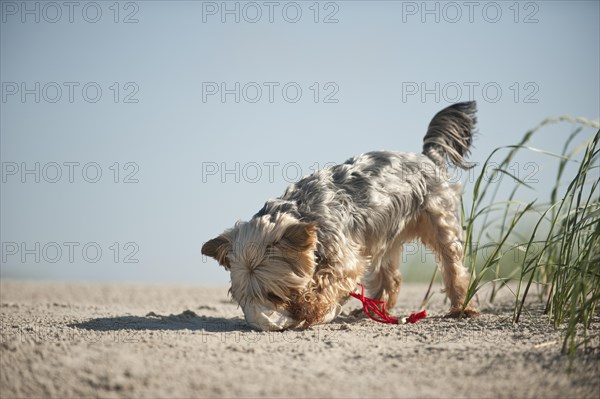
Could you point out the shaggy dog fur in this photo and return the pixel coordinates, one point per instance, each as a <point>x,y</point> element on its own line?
<point>304,252</point>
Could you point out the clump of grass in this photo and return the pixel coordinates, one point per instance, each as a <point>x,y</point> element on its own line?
<point>560,257</point>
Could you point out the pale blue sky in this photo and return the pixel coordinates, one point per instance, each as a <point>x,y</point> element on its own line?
<point>171,141</point>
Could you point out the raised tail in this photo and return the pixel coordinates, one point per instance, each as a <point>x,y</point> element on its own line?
<point>450,134</point>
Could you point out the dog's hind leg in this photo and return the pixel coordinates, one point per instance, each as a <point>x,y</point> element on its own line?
<point>441,231</point>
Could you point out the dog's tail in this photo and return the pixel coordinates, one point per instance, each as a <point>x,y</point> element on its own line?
<point>450,134</point>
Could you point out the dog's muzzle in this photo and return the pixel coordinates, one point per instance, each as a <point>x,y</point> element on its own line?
<point>267,318</point>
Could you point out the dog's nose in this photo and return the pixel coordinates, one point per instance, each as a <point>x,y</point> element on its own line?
<point>267,318</point>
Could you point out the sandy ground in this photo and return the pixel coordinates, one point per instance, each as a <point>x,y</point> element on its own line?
<point>91,340</point>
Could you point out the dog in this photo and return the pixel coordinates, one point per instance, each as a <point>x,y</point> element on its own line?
<point>297,260</point>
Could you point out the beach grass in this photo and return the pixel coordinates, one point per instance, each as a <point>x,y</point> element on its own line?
<point>552,245</point>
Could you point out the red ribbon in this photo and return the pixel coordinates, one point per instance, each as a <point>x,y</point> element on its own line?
<point>376,310</point>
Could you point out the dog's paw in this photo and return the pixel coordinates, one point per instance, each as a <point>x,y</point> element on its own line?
<point>458,313</point>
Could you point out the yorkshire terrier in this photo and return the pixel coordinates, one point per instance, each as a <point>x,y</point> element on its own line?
<point>297,260</point>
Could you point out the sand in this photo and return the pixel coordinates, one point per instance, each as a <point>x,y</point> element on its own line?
<point>67,340</point>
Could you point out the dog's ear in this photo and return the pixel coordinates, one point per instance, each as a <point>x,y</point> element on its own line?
<point>218,248</point>
<point>300,236</point>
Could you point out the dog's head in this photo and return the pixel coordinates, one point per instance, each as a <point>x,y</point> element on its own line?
<point>272,262</point>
